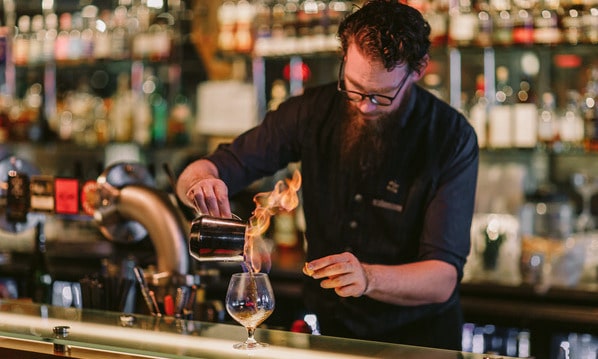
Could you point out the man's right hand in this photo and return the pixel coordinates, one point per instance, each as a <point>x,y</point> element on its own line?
<point>199,186</point>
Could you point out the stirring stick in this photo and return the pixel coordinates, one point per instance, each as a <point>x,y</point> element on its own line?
<point>152,296</point>
<point>144,290</point>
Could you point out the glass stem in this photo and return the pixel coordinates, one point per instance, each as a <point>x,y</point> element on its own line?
<point>250,339</point>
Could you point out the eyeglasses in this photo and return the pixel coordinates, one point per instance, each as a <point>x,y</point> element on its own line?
<point>376,99</point>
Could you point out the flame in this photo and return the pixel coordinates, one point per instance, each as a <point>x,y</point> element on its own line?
<point>283,198</point>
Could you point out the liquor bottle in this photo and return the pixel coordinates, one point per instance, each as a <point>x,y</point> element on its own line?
<point>17,195</point>
<point>500,112</point>
<point>484,36</point>
<point>291,25</point>
<point>546,23</point>
<point>523,22</point>
<point>571,126</point>
<point>120,115</point>
<point>102,36</point>
<point>4,42</point>
<point>278,93</point>
<point>141,42</point>
<point>36,39</point>
<point>5,104</point>
<point>147,105</point>
<point>502,22</point>
<point>89,15</point>
<point>42,193</point>
<point>590,110</point>
<point>40,279</point>
<point>165,37</point>
<point>436,13</point>
<point>547,122</point>
<point>20,48</point>
<point>227,18</point>
<point>463,24</point>
<point>304,11</point>
<point>61,45</point>
<point>179,121</point>
<point>158,120</point>
<point>319,25</point>
<point>47,36</point>
<point>478,112</point>
<point>31,113</point>
<point>243,40</point>
<point>525,114</point>
<point>263,27</point>
<point>338,9</point>
<point>277,32</point>
<point>49,41</point>
<point>590,21</point>
<point>75,51</point>
<point>119,34</point>
<point>572,22</point>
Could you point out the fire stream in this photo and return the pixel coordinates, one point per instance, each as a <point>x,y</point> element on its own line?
<point>283,198</point>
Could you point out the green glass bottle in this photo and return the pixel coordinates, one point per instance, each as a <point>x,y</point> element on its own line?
<point>40,280</point>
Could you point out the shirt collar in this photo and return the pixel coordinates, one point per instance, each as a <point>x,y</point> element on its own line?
<point>408,106</point>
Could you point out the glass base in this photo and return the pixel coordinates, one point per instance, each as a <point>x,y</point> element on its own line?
<point>250,345</point>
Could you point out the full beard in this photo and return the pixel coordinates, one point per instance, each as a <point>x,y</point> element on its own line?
<point>365,141</point>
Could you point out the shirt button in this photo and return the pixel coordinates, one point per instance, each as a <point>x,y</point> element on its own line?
<point>353,224</point>
<point>358,198</point>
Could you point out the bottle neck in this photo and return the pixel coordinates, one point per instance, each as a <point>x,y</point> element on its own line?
<point>40,239</point>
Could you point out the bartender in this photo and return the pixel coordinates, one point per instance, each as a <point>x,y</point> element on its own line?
<point>389,176</point>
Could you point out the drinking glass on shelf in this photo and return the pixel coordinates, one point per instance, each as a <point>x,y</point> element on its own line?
<point>249,301</point>
<point>587,186</point>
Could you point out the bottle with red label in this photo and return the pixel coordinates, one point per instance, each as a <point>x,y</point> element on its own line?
<point>66,195</point>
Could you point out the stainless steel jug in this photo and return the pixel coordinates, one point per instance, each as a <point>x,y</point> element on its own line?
<point>217,239</point>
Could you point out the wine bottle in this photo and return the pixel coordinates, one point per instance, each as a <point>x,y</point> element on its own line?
<point>40,279</point>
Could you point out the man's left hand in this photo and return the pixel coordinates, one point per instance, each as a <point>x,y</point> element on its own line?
<point>342,272</point>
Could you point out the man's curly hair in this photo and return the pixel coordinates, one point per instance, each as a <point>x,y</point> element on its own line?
<point>389,31</point>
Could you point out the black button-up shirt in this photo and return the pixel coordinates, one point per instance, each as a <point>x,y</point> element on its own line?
<point>418,206</point>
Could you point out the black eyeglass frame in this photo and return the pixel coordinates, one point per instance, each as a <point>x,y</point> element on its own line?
<point>374,98</point>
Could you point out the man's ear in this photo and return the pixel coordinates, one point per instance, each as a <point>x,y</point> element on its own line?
<point>425,61</point>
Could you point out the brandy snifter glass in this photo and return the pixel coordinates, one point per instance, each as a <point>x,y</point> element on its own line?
<point>250,301</point>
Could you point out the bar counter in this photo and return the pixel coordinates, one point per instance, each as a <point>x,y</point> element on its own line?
<point>26,331</point>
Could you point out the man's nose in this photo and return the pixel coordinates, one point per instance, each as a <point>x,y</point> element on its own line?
<point>366,105</point>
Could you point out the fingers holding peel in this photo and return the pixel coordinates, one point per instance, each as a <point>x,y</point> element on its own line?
<point>342,272</point>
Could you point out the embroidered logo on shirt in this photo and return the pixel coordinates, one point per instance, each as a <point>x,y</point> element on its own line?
<point>387,205</point>
<point>392,186</point>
